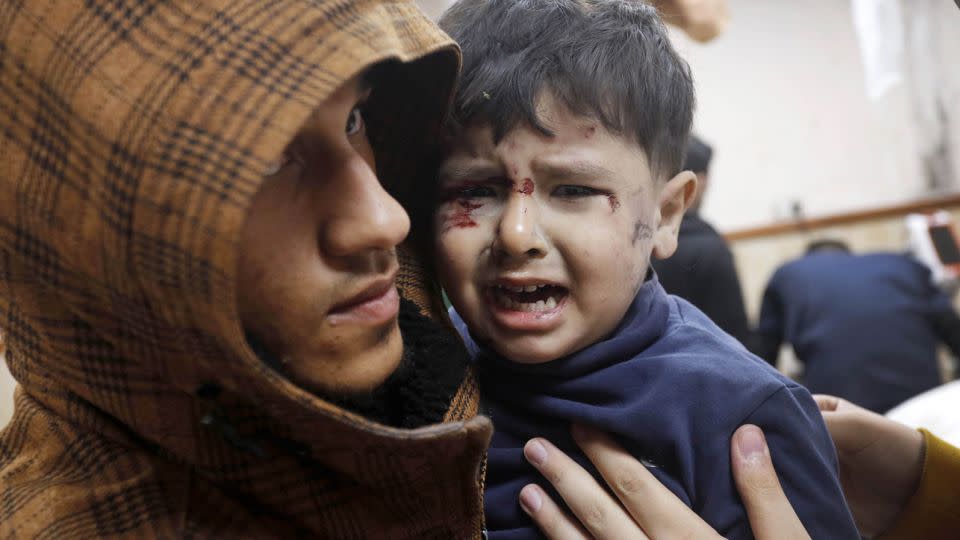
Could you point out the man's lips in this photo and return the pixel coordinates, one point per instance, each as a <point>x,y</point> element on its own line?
<point>376,303</point>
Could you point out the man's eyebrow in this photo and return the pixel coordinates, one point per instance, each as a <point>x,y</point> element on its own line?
<point>469,171</point>
<point>367,80</point>
<point>574,170</point>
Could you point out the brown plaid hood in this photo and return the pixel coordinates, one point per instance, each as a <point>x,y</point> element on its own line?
<point>133,135</point>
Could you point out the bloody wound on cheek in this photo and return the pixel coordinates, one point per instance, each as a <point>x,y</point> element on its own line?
<point>461,216</point>
<point>614,202</point>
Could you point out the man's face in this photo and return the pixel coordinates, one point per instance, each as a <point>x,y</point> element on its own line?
<point>317,260</point>
<point>544,241</point>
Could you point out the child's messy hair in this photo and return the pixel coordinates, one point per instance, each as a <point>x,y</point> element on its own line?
<point>607,59</point>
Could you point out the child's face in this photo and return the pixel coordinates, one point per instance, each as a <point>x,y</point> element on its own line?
<point>544,241</point>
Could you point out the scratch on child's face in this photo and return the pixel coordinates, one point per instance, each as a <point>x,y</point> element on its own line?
<point>641,231</point>
<point>614,202</point>
<point>461,217</point>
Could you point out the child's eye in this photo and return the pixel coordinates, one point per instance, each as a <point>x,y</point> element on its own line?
<point>573,192</point>
<point>475,192</point>
<point>355,122</point>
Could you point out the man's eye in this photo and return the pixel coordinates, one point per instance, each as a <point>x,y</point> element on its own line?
<point>573,192</point>
<point>278,164</point>
<point>355,122</point>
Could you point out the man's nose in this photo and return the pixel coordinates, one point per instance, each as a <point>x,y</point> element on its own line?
<point>519,233</point>
<point>363,216</point>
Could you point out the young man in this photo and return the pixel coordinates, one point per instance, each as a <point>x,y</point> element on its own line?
<point>562,179</point>
<point>198,270</point>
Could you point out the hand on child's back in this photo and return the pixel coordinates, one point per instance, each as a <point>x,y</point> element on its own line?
<point>645,509</point>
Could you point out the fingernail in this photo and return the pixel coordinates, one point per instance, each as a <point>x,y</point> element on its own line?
<point>535,452</point>
<point>751,443</point>
<point>530,499</point>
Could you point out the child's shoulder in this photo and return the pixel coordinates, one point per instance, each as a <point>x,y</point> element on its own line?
<point>695,385</point>
<point>696,349</point>
<point>689,329</point>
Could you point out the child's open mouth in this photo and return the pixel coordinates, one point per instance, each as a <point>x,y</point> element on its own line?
<point>529,298</point>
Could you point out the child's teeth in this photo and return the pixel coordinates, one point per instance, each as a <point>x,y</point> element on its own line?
<point>504,299</point>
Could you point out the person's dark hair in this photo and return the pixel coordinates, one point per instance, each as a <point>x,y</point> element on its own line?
<point>607,59</point>
<point>828,244</point>
<point>699,154</point>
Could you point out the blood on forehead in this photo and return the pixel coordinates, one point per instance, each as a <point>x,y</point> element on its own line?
<point>526,188</point>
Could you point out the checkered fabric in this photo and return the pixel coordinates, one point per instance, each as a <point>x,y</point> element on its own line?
<point>133,135</point>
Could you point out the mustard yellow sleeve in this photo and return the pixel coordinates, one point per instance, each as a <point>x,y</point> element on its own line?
<point>933,512</point>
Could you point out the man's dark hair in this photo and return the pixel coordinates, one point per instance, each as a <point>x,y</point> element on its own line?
<point>828,244</point>
<point>607,59</point>
<point>699,154</point>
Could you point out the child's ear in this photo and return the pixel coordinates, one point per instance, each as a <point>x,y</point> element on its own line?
<point>675,197</point>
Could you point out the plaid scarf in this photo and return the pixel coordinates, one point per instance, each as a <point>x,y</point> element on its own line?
<point>133,135</point>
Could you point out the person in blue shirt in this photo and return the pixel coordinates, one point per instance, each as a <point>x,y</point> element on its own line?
<point>703,270</point>
<point>562,177</point>
<point>866,327</point>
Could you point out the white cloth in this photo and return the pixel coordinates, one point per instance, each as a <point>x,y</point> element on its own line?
<point>879,25</point>
<point>937,410</point>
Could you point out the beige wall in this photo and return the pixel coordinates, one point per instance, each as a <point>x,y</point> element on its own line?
<point>782,97</point>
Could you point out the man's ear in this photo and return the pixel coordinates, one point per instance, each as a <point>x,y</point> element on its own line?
<point>676,196</point>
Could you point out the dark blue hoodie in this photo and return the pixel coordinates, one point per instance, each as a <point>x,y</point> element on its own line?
<point>672,387</point>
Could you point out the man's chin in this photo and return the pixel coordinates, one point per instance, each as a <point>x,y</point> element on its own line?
<point>352,372</point>
<point>356,374</point>
<point>393,380</point>
<point>371,396</point>
<point>367,378</point>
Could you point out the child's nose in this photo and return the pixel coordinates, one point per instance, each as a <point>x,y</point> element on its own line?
<point>520,234</point>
